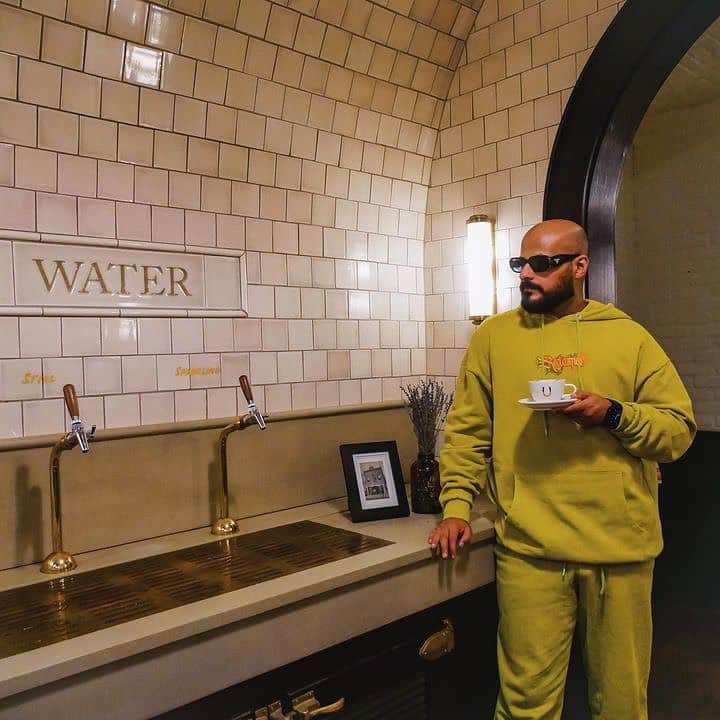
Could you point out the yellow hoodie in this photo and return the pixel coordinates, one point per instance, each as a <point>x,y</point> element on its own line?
<point>563,492</point>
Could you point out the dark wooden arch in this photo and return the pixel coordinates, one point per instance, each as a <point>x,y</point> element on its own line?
<point>641,47</point>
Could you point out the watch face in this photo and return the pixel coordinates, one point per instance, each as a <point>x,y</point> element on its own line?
<point>613,415</point>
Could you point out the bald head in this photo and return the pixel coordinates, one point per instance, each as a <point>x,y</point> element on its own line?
<point>553,237</point>
<point>556,289</point>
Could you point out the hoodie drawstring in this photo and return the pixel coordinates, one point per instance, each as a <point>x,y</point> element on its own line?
<point>546,420</point>
<point>577,343</point>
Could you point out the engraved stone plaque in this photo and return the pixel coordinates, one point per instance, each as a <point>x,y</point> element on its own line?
<point>64,276</point>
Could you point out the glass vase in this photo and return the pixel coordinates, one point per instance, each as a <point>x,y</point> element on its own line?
<point>425,485</point>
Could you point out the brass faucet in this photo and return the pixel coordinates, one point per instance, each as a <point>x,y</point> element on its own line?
<point>225,525</point>
<point>58,560</point>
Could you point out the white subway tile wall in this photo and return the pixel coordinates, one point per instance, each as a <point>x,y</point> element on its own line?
<point>302,133</point>
<point>517,71</point>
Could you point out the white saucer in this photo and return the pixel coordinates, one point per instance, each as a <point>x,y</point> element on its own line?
<point>547,404</point>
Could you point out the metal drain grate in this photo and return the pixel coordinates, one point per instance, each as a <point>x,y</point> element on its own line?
<point>65,607</point>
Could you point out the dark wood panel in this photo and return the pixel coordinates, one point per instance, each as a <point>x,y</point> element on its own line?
<point>383,667</point>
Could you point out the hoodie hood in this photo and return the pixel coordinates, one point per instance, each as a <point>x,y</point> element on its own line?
<point>594,311</point>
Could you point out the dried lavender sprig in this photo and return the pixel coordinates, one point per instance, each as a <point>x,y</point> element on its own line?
<point>428,406</point>
<point>428,403</point>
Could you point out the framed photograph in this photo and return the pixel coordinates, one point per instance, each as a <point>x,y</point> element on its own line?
<point>374,481</point>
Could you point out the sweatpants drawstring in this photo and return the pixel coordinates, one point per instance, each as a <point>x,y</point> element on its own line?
<point>603,578</point>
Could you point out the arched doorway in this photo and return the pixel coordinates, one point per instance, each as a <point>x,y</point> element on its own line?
<point>629,65</point>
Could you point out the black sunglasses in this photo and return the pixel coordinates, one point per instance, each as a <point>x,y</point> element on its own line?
<point>540,263</point>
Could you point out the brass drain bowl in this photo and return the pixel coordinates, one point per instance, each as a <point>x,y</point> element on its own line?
<point>62,608</point>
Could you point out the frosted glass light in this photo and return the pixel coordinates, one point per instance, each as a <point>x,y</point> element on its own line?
<point>481,267</point>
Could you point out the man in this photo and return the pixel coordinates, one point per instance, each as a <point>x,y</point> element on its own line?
<point>575,489</point>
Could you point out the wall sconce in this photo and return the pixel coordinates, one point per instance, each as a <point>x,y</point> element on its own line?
<point>481,267</point>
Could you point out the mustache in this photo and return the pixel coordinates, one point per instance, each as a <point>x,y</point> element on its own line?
<point>527,285</point>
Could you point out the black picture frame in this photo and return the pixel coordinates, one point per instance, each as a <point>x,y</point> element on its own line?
<point>374,481</point>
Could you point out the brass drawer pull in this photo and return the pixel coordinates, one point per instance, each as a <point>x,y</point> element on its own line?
<point>440,643</point>
<point>307,706</point>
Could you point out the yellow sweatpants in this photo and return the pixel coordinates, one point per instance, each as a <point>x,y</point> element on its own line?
<point>540,603</point>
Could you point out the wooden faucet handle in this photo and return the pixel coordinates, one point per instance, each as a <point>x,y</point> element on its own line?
<point>71,400</point>
<point>246,389</point>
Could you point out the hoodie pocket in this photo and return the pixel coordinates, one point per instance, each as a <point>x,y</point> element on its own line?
<point>565,508</point>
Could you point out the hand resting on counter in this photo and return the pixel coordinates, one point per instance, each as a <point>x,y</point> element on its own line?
<point>450,535</point>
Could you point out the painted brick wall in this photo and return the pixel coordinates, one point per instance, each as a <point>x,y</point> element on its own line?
<point>667,245</point>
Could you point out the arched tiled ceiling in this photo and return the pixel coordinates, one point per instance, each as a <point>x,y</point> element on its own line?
<point>431,30</point>
<point>396,57</point>
<point>435,30</point>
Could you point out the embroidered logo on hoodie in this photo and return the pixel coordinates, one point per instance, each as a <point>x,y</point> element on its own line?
<point>558,363</point>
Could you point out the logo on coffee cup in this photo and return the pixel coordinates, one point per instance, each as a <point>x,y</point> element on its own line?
<point>550,390</point>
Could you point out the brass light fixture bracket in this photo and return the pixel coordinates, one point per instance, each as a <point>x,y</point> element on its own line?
<point>479,218</point>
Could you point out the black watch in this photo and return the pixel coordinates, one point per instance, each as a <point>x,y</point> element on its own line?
<point>613,415</point>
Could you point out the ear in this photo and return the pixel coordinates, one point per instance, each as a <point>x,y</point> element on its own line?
<point>581,266</point>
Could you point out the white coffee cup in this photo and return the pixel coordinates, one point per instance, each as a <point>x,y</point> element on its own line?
<point>550,390</point>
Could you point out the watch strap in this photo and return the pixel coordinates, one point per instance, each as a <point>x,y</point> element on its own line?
<point>613,415</point>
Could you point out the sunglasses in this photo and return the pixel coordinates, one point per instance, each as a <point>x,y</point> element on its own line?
<point>540,263</point>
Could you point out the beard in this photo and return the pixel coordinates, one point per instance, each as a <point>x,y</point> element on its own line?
<point>549,299</point>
